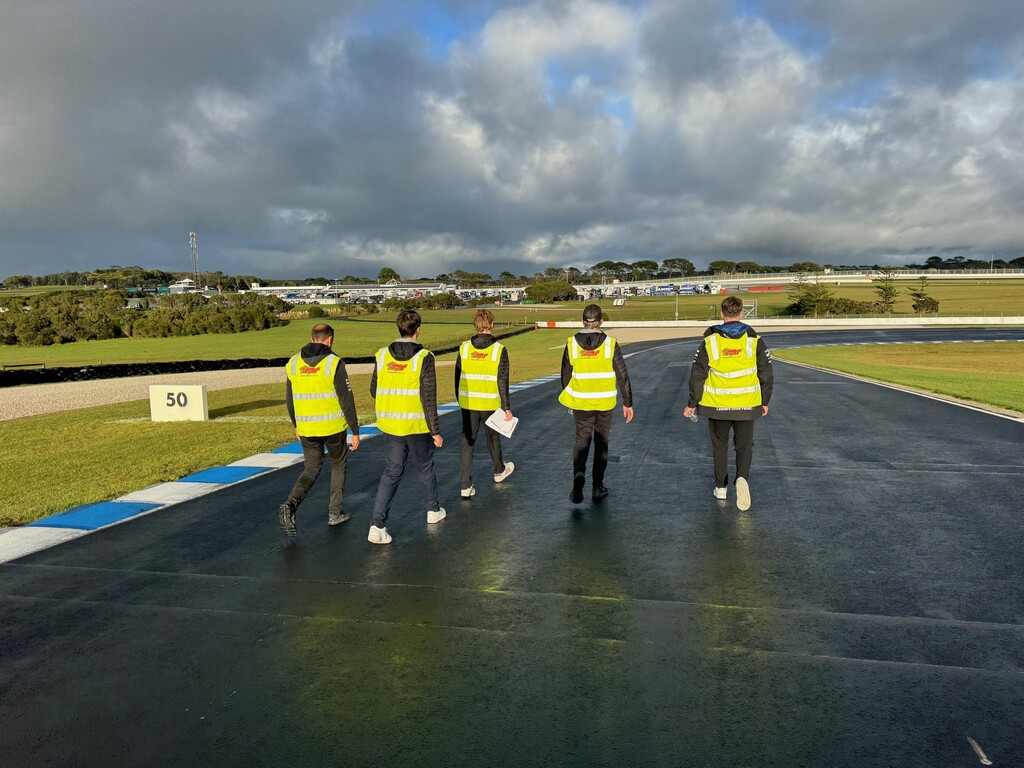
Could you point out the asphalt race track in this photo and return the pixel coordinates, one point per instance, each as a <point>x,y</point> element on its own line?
<point>866,611</point>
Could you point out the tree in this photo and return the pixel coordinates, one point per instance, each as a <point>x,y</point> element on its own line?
<point>748,266</point>
<point>507,277</point>
<point>547,292</point>
<point>886,290</point>
<point>722,266</point>
<point>684,267</point>
<point>644,269</point>
<point>805,266</point>
<point>933,262</point>
<point>923,303</point>
<point>386,274</point>
<point>810,296</point>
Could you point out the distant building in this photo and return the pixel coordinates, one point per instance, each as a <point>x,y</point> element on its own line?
<point>188,285</point>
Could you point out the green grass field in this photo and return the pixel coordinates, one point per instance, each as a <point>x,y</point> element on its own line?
<point>361,336</point>
<point>988,374</point>
<point>252,419</point>
<point>125,451</point>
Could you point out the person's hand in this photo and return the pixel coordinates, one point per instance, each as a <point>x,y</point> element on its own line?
<point>438,441</point>
<point>764,410</point>
<point>508,415</point>
<point>688,412</point>
<point>354,445</point>
<point>628,413</point>
<point>297,437</point>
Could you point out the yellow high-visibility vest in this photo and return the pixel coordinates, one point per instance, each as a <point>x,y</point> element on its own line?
<point>398,404</point>
<point>732,372</point>
<point>592,386</point>
<point>478,380</point>
<point>317,410</point>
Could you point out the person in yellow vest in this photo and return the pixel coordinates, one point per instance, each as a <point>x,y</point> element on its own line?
<point>731,383</point>
<point>322,409</point>
<point>592,369</point>
<point>404,387</point>
<point>481,381</point>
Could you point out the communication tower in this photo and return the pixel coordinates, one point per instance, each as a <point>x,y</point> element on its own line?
<point>195,258</point>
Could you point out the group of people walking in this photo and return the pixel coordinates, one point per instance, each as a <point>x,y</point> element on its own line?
<point>730,383</point>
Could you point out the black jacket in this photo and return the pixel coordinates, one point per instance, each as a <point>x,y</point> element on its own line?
<point>701,366</point>
<point>312,354</point>
<point>483,341</point>
<point>593,340</point>
<point>406,350</point>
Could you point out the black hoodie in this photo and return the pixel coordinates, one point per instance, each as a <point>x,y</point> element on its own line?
<point>484,341</point>
<point>592,340</point>
<point>312,354</point>
<point>699,374</point>
<point>406,349</point>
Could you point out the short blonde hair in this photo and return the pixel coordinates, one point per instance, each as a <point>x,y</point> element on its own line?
<point>483,320</point>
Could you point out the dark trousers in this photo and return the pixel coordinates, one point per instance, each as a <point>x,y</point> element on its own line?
<point>743,440</point>
<point>313,458</point>
<point>471,423</point>
<point>596,427</point>
<point>397,451</point>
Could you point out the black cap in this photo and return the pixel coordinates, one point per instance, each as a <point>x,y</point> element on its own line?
<point>591,313</point>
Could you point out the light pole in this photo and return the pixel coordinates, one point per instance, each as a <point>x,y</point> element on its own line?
<point>677,304</point>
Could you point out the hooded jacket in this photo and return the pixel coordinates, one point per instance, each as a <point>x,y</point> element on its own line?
<point>733,329</point>
<point>591,340</point>
<point>406,349</point>
<point>312,354</point>
<point>483,341</point>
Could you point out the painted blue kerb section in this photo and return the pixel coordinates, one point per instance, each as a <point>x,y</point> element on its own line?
<point>224,475</point>
<point>93,516</point>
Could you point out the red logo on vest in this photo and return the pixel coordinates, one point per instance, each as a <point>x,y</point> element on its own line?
<point>397,367</point>
<point>308,370</point>
<point>589,352</point>
<point>478,355</point>
<point>730,352</point>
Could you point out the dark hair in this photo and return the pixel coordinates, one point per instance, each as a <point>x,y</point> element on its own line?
<point>408,321</point>
<point>591,316</point>
<point>732,306</point>
<point>321,332</point>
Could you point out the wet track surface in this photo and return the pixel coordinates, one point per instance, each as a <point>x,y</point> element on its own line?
<point>866,611</point>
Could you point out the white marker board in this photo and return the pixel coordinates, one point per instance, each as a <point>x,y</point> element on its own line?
<point>178,402</point>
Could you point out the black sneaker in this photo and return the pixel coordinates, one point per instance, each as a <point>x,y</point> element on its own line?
<point>576,495</point>
<point>599,492</point>
<point>337,518</point>
<point>286,519</point>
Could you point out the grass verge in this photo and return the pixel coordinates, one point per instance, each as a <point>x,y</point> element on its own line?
<point>989,374</point>
<point>59,461</point>
<point>362,335</point>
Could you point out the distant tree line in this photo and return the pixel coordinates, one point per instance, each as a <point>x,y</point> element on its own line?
<point>59,317</point>
<point>644,269</point>
<point>118,278</point>
<point>810,296</point>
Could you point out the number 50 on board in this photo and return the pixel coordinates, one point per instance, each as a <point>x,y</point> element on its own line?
<point>178,402</point>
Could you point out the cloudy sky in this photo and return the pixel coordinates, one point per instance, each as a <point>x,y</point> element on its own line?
<point>333,137</point>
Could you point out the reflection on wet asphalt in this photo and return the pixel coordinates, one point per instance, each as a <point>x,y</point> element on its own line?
<point>866,611</point>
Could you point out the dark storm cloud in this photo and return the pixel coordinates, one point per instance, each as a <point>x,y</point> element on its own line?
<point>942,42</point>
<point>333,138</point>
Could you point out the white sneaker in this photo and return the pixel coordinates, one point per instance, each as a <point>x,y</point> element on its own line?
<point>436,516</point>
<point>467,492</point>
<point>379,535</point>
<point>742,494</point>
<point>509,468</point>
<point>721,493</point>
